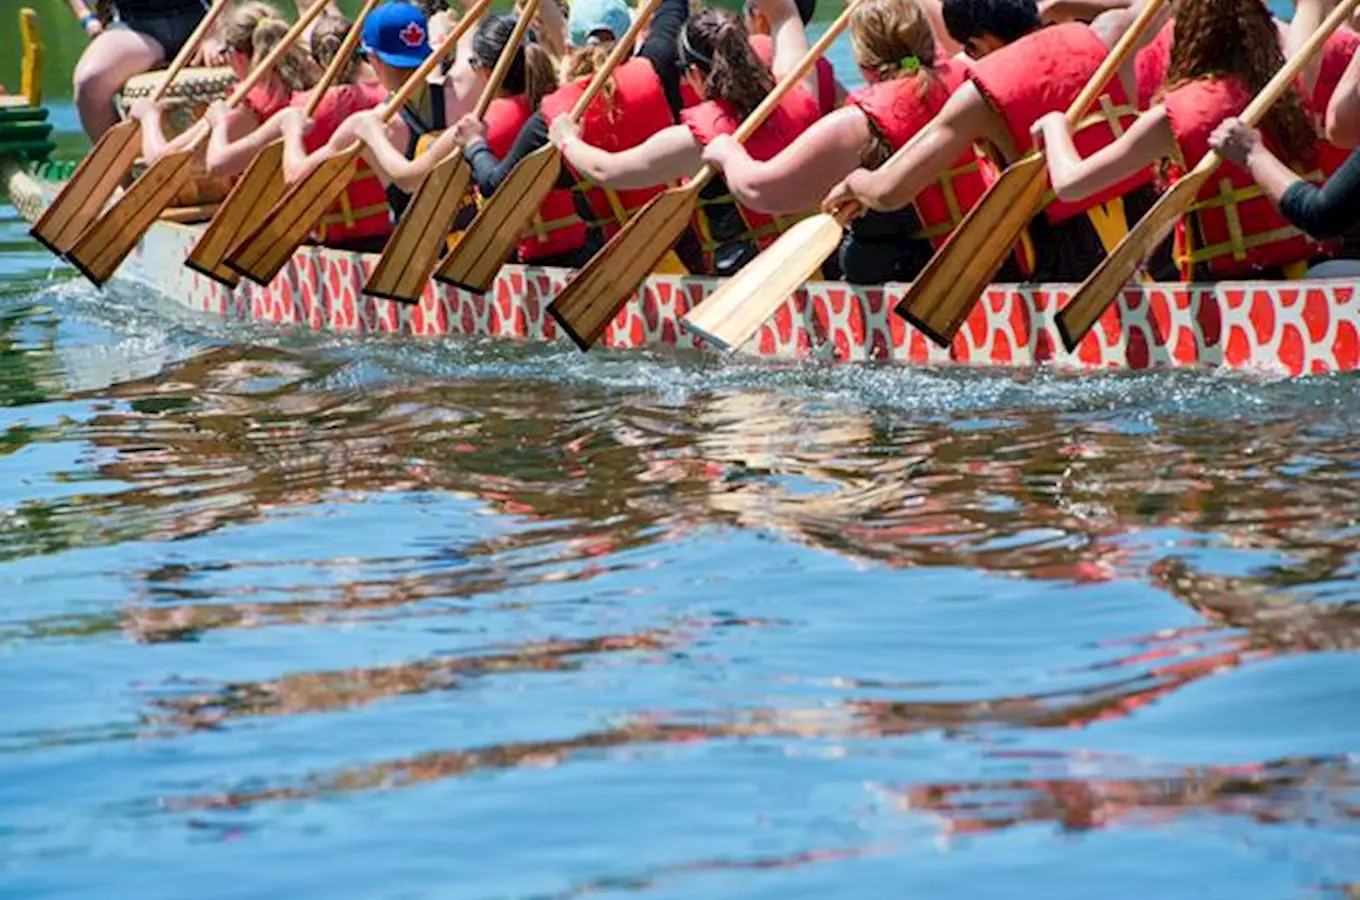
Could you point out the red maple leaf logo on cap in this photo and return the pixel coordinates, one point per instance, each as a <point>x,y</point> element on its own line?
<point>412,35</point>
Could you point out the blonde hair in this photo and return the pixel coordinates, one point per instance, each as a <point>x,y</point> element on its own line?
<point>583,61</point>
<point>327,38</point>
<point>884,33</point>
<point>254,29</point>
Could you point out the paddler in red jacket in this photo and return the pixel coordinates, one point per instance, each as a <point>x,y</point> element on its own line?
<point>1022,71</point>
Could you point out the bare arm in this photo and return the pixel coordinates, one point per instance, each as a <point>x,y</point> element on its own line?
<point>666,156</point>
<point>552,27</point>
<point>1343,112</point>
<point>297,162</point>
<point>789,39</point>
<point>1308,15</point>
<point>934,10</point>
<point>383,155</point>
<point>803,172</point>
<point>1148,139</point>
<point>1054,11</point>
<point>228,156</point>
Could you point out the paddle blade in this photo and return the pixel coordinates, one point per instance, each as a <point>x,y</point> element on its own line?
<point>244,210</point>
<point>1103,285</point>
<point>413,251</point>
<point>269,247</point>
<point>590,301</point>
<point>102,247</point>
<point>93,183</point>
<point>492,236</point>
<point>943,295</point>
<point>734,312</point>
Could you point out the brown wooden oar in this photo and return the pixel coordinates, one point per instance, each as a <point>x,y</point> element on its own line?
<point>1102,286</point>
<point>256,191</point>
<point>412,252</point>
<point>107,164</point>
<point>102,247</point>
<point>594,297</point>
<point>943,295</point>
<point>493,234</point>
<point>268,248</point>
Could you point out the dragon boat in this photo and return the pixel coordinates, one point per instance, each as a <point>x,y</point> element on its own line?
<point>1298,328</point>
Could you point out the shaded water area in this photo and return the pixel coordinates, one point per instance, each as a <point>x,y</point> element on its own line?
<point>283,615</point>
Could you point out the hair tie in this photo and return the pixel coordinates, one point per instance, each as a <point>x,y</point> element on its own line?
<point>909,64</point>
<point>691,55</point>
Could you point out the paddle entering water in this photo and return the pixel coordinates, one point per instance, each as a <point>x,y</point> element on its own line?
<point>943,295</point>
<point>107,164</point>
<point>288,223</point>
<point>497,229</point>
<point>1102,286</point>
<point>594,297</point>
<point>102,247</point>
<point>408,260</point>
<point>256,191</point>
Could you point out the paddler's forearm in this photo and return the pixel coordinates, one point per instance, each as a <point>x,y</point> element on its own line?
<point>1343,112</point>
<point>804,172</point>
<point>231,157</point>
<point>667,156</point>
<point>408,174</point>
<point>1073,179</point>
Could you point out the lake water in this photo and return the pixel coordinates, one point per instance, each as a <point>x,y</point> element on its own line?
<point>293,616</point>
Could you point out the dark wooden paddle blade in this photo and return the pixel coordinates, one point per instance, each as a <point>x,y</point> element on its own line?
<point>269,247</point>
<point>592,299</point>
<point>730,315</point>
<point>93,183</point>
<point>102,247</point>
<point>1102,286</point>
<point>412,252</point>
<point>249,202</point>
<point>492,236</point>
<point>943,295</point>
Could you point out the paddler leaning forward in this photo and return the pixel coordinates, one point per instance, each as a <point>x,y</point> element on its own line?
<point>1022,71</point>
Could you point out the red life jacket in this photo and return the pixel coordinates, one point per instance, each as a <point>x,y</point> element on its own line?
<point>362,211</point>
<point>634,111</point>
<point>794,115</point>
<point>1043,72</point>
<point>1240,231</point>
<point>763,45</point>
<point>1151,63</point>
<point>264,102</point>
<point>557,228</point>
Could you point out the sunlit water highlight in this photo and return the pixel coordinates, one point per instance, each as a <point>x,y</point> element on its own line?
<point>306,617</point>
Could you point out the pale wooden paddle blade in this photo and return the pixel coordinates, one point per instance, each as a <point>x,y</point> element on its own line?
<point>413,251</point>
<point>592,299</point>
<point>90,187</point>
<point>1102,286</point>
<point>492,236</point>
<point>737,309</point>
<point>943,295</point>
<point>249,202</point>
<point>269,247</point>
<point>102,247</point>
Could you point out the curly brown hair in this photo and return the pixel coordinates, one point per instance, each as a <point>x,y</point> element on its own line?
<point>1215,38</point>
<point>716,42</point>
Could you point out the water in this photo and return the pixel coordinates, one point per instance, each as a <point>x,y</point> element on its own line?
<point>292,616</point>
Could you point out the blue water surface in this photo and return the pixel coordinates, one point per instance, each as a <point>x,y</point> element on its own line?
<point>295,616</point>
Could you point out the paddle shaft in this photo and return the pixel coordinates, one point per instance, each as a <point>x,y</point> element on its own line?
<point>332,73</point>
<point>507,59</point>
<point>190,47</point>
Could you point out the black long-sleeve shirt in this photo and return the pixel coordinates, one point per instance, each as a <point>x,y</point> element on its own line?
<point>660,49</point>
<point>1330,210</point>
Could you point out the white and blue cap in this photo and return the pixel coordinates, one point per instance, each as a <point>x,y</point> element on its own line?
<point>398,34</point>
<point>607,19</point>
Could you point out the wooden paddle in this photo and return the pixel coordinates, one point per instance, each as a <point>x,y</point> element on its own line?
<point>102,247</point>
<point>943,295</point>
<point>107,164</point>
<point>408,260</point>
<point>592,299</point>
<point>256,191</point>
<point>265,250</point>
<point>507,214</point>
<point>1102,286</point>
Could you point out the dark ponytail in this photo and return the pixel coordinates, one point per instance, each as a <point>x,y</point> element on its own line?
<point>716,42</point>
<point>532,72</point>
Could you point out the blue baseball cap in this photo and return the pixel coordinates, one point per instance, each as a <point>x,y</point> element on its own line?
<point>585,17</point>
<point>398,34</point>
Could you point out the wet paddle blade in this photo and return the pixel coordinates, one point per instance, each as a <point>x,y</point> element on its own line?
<point>943,295</point>
<point>737,309</point>
<point>492,236</point>
<point>102,247</point>
<point>413,251</point>
<point>1102,286</point>
<point>592,299</point>
<point>269,247</point>
<point>93,183</point>
<point>249,202</point>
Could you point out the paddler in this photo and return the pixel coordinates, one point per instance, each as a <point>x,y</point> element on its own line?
<point>908,83</point>
<point>1235,233</point>
<point>642,98</point>
<point>720,65</point>
<point>830,93</point>
<point>1021,72</point>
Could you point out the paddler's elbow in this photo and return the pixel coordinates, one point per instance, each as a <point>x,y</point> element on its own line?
<point>1067,189</point>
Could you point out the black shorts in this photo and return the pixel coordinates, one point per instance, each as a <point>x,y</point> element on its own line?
<point>171,29</point>
<point>1070,251</point>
